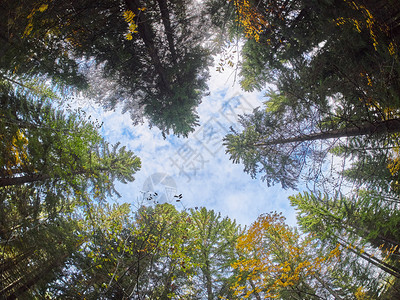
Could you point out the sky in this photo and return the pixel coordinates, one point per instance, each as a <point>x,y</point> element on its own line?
<point>196,167</point>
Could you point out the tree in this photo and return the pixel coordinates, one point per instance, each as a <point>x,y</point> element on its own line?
<point>375,170</point>
<point>327,61</point>
<point>32,44</point>
<point>153,51</point>
<point>286,35</point>
<point>281,141</point>
<point>51,163</point>
<point>276,261</point>
<point>130,255</point>
<point>214,240</point>
<point>354,224</point>
<point>175,88</point>
<point>31,258</point>
<point>50,147</point>
<point>156,252</point>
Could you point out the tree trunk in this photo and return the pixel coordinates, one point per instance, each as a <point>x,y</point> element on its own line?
<point>362,232</point>
<point>371,259</point>
<point>207,275</point>
<point>147,35</point>
<point>253,286</point>
<point>168,28</point>
<point>376,128</point>
<point>377,262</point>
<point>41,177</point>
<point>23,179</point>
<point>353,227</point>
<point>326,286</point>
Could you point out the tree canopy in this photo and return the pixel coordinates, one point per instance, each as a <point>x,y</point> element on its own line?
<point>329,127</point>
<point>151,51</point>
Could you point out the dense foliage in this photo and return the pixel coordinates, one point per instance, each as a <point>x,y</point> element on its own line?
<point>151,53</point>
<point>330,70</point>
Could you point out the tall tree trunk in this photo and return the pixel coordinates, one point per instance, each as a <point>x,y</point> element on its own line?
<point>327,286</point>
<point>253,286</point>
<point>370,258</point>
<point>207,275</point>
<point>23,179</point>
<point>353,229</point>
<point>147,35</point>
<point>168,28</point>
<point>41,177</point>
<point>376,128</point>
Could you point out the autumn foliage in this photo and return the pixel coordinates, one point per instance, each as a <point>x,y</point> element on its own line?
<point>275,257</point>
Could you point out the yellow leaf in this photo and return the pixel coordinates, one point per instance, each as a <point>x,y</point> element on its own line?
<point>43,7</point>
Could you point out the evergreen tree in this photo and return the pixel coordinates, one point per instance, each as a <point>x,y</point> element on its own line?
<point>31,258</point>
<point>42,145</point>
<point>153,51</point>
<point>328,66</point>
<point>282,140</point>
<point>343,46</point>
<point>352,224</point>
<point>50,163</point>
<point>214,243</point>
<point>33,43</point>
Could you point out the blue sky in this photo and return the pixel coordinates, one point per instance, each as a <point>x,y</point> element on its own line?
<point>197,167</point>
